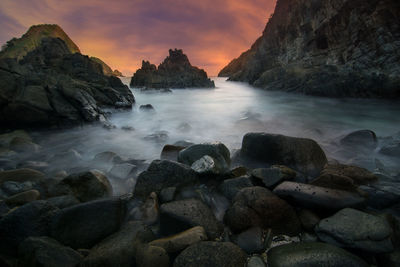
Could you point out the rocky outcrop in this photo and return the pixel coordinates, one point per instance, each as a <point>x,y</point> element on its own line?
<point>175,72</point>
<point>107,69</point>
<point>54,85</point>
<point>327,48</point>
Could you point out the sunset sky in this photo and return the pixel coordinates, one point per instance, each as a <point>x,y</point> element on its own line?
<point>123,32</point>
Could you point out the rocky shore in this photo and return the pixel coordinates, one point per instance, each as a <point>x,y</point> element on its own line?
<point>277,201</point>
<point>174,72</point>
<point>335,48</point>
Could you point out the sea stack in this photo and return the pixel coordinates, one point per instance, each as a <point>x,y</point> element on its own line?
<point>345,48</point>
<point>174,72</point>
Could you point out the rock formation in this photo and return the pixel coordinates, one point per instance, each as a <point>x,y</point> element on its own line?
<point>175,72</point>
<point>54,85</point>
<point>107,69</point>
<point>327,48</point>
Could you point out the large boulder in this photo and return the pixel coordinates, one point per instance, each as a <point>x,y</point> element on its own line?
<point>162,174</point>
<point>171,152</point>
<point>212,254</point>
<point>358,175</point>
<point>316,197</point>
<point>217,151</point>
<point>179,242</point>
<point>178,216</point>
<point>47,252</point>
<point>120,248</point>
<point>84,225</point>
<point>28,220</point>
<point>303,155</point>
<point>312,254</point>
<point>85,186</point>
<point>355,229</point>
<point>363,139</point>
<point>257,206</point>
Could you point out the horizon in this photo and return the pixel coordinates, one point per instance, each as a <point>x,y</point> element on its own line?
<point>127,32</point>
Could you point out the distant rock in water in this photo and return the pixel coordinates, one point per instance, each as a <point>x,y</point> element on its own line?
<point>328,48</point>
<point>106,69</point>
<point>54,85</point>
<point>175,72</point>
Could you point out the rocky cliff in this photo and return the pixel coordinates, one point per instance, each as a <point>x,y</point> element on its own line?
<point>174,72</point>
<point>107,69</point>
<point>52,86</point>
<point>328,48</point>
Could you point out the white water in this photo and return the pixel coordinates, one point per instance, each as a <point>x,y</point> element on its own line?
<point>220,115</point>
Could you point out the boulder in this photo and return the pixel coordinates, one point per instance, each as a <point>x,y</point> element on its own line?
<point>358,175</point>
<point>180,241</point>
<point>316,197</point>
<point>157,137</point>
<point>148,213</point>
<point>122,171</point>
<point>217,151</point>
<point>363,139</point>
<point>84,225</point>
<point>21,175</point>
<point>253,240</point>
<point>355,229</point>
<point>13,188</point>
<point>178,216</point>
<point>257,206</point>
<point>206,165</point>
<point>256,261</point>
<point>312,254</point>
<point>170,152</point>
<point>213,254</point>
<point>308,219</point>
<point>85,186</point>
<point>62,202</point>
<point>28,220</point>
<point>119,249</point>
<point>230,187</point>
<point>303,155</point>
<point>162,174</point>
<point>149,256</point>
<point>47,252</point>
<point>269,177</point>
<point>23,198</point>
<point>147,107</point>
<point>167,194</point>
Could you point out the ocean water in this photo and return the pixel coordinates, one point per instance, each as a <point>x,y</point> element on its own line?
<point>225,114</point>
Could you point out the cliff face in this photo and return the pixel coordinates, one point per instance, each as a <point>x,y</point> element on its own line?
<point>53,87</point>
<point>32,39</point>
<point>328,48</point>
<point>174,72</point>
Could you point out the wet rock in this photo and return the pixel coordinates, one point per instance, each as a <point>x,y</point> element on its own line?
<point>303,155</point>
<point>256,261</point>
<point>147,107</point>
<point>170,152</point>
<point>231,187</point>
<point>107,158</point>
<point>312,254</point>
<point>183,143</point>
<point>206,165</point>
<point>28,220</point>
<point>71,157</point>
<point>382,197</point>
<point>149,256</point>
<point>148,212</point>
<point>238,172</point>
<point>12,188</point>
<point>257,206</point>
<point>355,229</point>
<point>84,225</point>
<point>308,219</point>
<point>21,175</point>
<point>316,197</point>
<point>162,174</point>
<point>253,240</point>
<point>334,181</point>
<point>178,216</point>
<point>62,202</point>
<point>358,175</point>
<point>217,151</point>
<point>392,150</point>
<point>158,137</point>
<point>119,249</point>
<point>270,177</point>
<point>122,171</point>
<point>167,194</point>
<point>209,253</point>
<point>180,241</point>
<point>47,252</point>
<point>84,186</point>
<point>363,139</point>
<point>23,145</point>
<point>23,198</point>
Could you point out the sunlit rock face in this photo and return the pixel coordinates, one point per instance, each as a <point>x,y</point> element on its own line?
<point>327,48</point>
<point>53,85</point>
<point>174,72</point>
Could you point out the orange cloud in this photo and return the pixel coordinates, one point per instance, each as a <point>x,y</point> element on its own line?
<point>123,32</point>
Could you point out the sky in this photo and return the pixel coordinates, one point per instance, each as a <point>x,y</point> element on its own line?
<point>124,32</point>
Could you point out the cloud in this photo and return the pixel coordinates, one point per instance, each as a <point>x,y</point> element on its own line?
<point>123,32</point>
